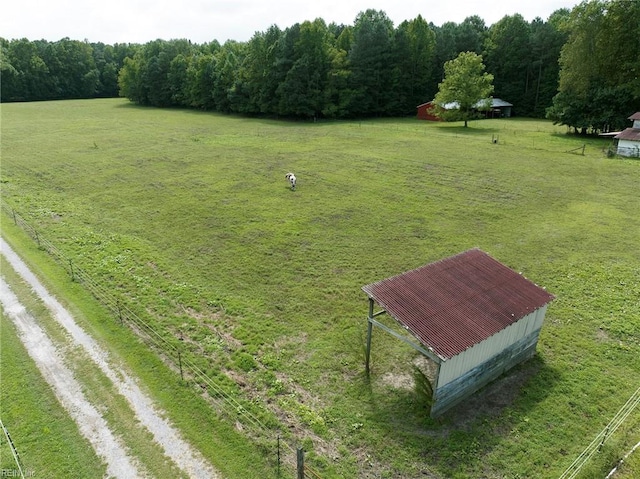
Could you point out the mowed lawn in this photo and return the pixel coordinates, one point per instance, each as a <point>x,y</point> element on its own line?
<point>188,218</point>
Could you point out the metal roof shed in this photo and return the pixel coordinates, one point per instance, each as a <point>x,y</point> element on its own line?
<point>471,315</point>
<point>629,139</point>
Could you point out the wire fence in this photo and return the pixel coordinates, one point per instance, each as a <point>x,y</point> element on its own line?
<point>621,461</point>
<point>14,452</point>
<point>163,343</point>
<point>596,445</point>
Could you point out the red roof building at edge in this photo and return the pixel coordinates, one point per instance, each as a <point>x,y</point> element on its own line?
<point>455,303</point>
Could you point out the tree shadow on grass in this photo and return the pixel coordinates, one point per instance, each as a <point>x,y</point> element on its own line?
<point>133,105</point>
<point>460,131</point>
<point>458,127</point>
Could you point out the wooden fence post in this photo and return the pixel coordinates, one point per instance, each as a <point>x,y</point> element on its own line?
<point>278,457</point>
<point>604,438</point>
<point>71,267</point>
<point>300,463</point>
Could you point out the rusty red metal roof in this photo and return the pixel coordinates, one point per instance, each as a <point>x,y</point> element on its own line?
<point>632,134</point>
<point>457,302</point>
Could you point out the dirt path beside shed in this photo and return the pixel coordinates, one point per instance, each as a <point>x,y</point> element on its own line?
<point>50,361</point>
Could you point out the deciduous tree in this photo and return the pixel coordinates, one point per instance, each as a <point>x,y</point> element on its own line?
<point>414,50</point>
<point>599,94</point>
<point>465,84</point>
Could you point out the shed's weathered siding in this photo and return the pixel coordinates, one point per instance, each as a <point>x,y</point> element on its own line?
<point>629,148</point>
<point>462,375</point>
<point>463,386</point>
<point>481,352</point>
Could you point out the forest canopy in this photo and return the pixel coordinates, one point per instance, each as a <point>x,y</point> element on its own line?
<point>316,70</point>
<point>599,82</point>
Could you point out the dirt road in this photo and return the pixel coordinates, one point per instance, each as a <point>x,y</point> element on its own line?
<point>50,360</point>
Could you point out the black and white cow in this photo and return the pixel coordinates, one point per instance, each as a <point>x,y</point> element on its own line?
<point>292,180</point>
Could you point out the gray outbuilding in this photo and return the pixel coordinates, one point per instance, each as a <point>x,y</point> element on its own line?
<point>474,317</point>
<point>628,141</point>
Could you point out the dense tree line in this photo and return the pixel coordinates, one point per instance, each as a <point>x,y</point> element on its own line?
<point>42,70</point>
<point>579,67</point>
<point>370,68</point>
<point>308,70</point>
<point>599,84</point>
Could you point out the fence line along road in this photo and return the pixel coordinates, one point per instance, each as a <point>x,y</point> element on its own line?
<point>603,436</point>
<point>154,337</point>
<point>14,451</point>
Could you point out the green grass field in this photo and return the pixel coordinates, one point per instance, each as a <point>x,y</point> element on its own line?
<point>187,217</point>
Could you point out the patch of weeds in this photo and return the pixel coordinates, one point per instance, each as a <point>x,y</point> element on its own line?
<point>306,414</point>
<point>270,360</point>
<point>274,385</point>
<point>244,361</point>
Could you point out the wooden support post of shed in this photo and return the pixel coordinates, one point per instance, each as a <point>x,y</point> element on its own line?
<point>371,322</point>
<point>369,332</point>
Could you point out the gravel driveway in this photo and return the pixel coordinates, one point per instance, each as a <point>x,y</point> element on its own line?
<point>50,360</point>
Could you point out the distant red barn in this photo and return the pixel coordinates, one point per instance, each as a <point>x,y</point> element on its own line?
<point>424,112</point>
